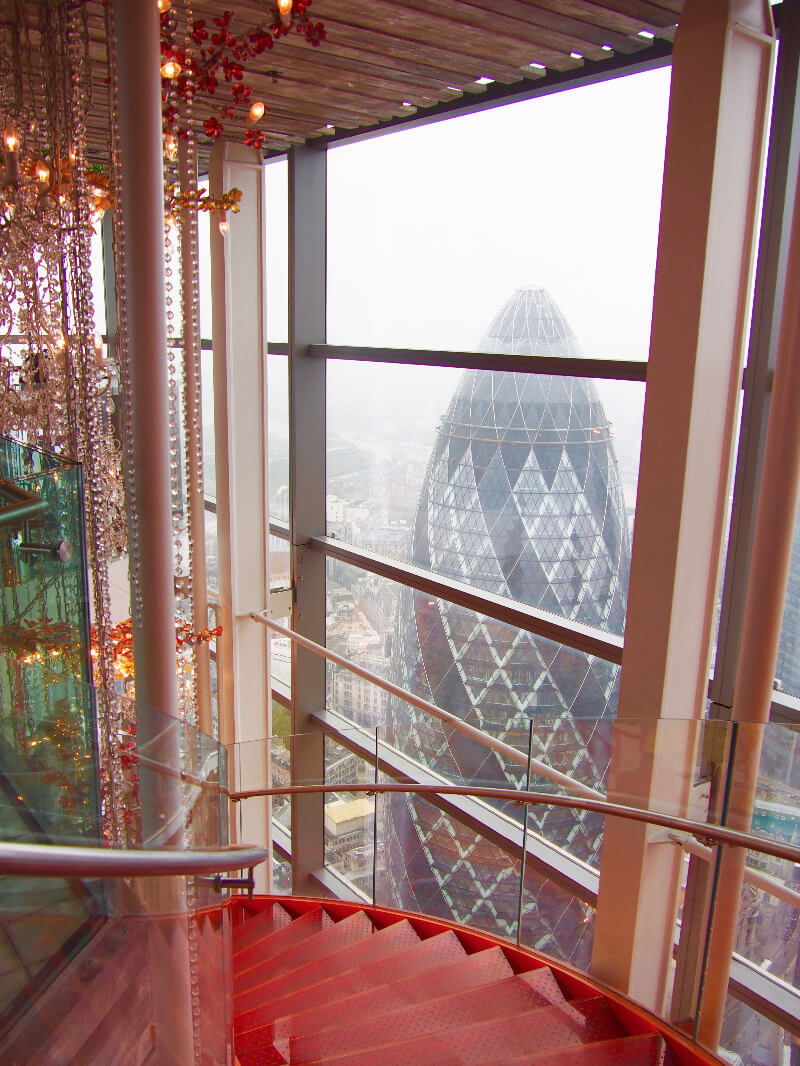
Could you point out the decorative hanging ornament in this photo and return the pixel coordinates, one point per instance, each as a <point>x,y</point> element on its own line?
<point>213,54</point>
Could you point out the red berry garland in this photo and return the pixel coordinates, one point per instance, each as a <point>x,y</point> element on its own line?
<point>221,51</point>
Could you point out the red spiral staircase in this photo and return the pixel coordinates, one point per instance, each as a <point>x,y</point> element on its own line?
<point>355,985</point>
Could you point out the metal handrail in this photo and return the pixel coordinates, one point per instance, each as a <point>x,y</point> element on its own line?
<point>56,860</point>
<point>705,832</point>
<point>457,724</point>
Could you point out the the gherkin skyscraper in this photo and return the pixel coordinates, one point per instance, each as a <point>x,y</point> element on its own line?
<point>521,498</point>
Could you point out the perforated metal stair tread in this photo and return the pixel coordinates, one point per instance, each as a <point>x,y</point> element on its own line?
<point>275,943</point>
<point>365,977</point>
<point>473,971</point>
<point>505,999</point>
<point>331,938</point>
<point>351,990</point>
<point>545,1029</point>
<point>261,925</point>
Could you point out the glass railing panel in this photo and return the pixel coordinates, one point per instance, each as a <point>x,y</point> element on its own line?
<point>171,790</point>
<point>48,756</point>
<point>555,920</point>
<point>430,863</point>
<point>140,974</point>
<point>750,1037</point>
<point>44,615</point>
<point>350,817</point>
<point>492,674</point>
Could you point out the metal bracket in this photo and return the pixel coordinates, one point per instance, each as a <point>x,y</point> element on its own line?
<point>280,603</point>
<point>248,882</point>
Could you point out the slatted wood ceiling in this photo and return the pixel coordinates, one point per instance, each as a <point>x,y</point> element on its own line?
<point>385,59</point>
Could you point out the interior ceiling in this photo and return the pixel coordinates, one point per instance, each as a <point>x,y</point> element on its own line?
<point>385,60</point>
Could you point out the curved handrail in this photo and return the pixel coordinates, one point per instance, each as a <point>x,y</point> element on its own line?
<point>705,831</point>
<point>55,860</point>
<point>458,724</point>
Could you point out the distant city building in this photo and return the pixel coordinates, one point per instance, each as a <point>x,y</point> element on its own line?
<point>522,498</point>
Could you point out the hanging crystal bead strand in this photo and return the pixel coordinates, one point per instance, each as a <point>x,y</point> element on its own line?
<point>117,784</point>
<point>93,429</point>
<point>192,415</point>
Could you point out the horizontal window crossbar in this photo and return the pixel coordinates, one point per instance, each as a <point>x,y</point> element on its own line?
<point>765,993</point>
<point>578,367</point>
<point>583,638</point>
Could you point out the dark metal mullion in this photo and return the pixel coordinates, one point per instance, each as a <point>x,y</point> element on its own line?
<point>606,646</point>
<point>576,367</point>
<point>307,304</point>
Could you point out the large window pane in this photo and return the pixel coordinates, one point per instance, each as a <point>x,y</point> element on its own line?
<point>277,280</point>
<point>429,230</point>
<point>519,484</point>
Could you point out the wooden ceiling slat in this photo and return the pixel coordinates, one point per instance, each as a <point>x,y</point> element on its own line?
<point>653,16</point>
<point>323,95</point>
<point>466,62</point>
<point>595,13</point>
<point>380,53</point>
<point>462,62</point>
<point>580,28</point>
<point>424,24</point>
<point>306,78</point>
<point>353,72</point>
<point>528,25</point>
<point>448,61</point>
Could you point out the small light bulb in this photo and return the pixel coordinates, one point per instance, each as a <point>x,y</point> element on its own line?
<point>257,110</point>
<point>171,147</point>
<point>224,226</point>
<point>170,68</point>
<point>164,5</point>
<point>285,11</point>
<point>42,172</point>
<point>10,138</point>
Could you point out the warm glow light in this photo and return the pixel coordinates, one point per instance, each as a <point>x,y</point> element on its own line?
<point>223,226</point>
<point>164,5</point>
<point>170,68</point>
<point>10,138</point>
<point>257,110</point>
<point>171,147</point>
<point>285,11</point>
<point>42,172</point>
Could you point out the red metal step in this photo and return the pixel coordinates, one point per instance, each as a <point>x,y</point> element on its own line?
<point>254,1028</point>
<point>545,1029</point>
<point>270,945</point>
<point>474,971</point>
<point>272,918</point>
<point>414,993</point>
<point>647,1049</point>
<point>328,941</point>
<point>322,979</point>
<point>505,999</point>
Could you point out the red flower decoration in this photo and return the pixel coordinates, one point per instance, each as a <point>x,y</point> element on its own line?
<point>241,92</point>
<point>233,71</point>
<point>254,138</point>
<point>212,128</point>
<point>199,31</point>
